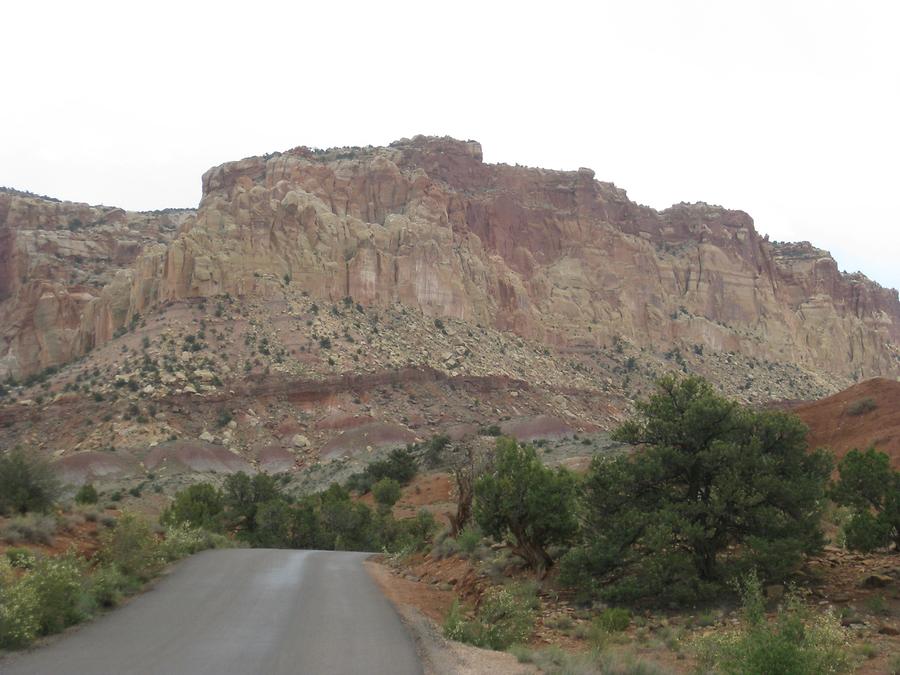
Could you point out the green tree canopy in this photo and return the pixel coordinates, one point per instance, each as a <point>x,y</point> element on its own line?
<point>711,486</point>
<point>386,493</point>
<point>525,502</point>
<point>871,488</point>
<point>242,497</point>
<point>201,505</point>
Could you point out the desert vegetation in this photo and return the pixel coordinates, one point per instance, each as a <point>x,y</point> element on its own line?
<point>41,594</point>
<point>257,511</point>
<point>715,503</point>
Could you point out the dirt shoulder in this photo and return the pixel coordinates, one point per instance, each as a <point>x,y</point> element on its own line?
<point>422,607</point>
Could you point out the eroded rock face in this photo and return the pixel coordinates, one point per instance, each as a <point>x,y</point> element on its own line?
<point>551,255</point>
<point>55,259</point>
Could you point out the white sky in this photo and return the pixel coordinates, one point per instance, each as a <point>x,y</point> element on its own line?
<point>788,110</point>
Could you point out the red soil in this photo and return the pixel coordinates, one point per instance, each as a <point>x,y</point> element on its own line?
<point>832,426</point>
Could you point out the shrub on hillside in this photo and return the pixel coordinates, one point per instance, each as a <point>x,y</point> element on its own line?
<point>87,494</point>
<point>20,557</point>
<point>31,528</point>
<point>200,505</point>
<point>613,619</point>
<point>527,503</point>
<point>59,588</point>
<point>434,450</point>
<point>27,483</point>
<point>469,539</point>
<point>45,600</point>
<point>108,585</point>
<point>131,546</point>
<point>273,524</point>
<point>400,465</point>
<point>183,540</point>
<point>871,489</point>
<point>409,535</point>
<point>505,616</point>
<point>794,642</point>
<point>386,493</point>
<point>862,406</point>
<point>713,489</point>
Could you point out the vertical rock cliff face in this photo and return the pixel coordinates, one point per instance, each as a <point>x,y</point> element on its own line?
<point>55,259</point>
<point>552,255</point>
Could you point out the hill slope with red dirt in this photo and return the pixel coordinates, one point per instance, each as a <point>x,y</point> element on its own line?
<point>866,414</point>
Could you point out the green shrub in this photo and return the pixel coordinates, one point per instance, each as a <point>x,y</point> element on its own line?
<point>434,449</point>
<point>200,505</point>
<point>18,615</point>
<point>27,483</point>
<point>183,540</point>
<point>108,585</point>
<point>224,418</point>
<point>45,600</point>
<point>31,528</point>
<point>862,406</point>
<point>444,545</point>
<point>414,533</point>
<point>132,547</point>
<point>87,494</point>
<point>794,642</point>
<point>386,493</point>
<point>273,524</point>
<point>400,465</point>
<point>59,588</point>
<point>492,430</point>
<point>504,617</point>
<point>20,557</point>
<point>469,539</point>
<point>556,661</point>
<point>613,620</point>
<point>242,496</point>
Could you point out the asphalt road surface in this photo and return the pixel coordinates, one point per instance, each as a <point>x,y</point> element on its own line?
<point>241,612</point>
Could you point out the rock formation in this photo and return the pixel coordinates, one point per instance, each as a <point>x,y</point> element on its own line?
<point>554,256</point>
<point>55,259</point>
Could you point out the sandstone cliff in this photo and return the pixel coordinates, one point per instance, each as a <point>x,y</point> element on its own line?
<point>55,259</point>
<point>553,256</point>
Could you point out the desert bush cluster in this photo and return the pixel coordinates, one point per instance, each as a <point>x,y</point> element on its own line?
<point>257,511</point>
<point>41,595</point>
<point>504,617</point>
<point>401,465</point>
<point>27,483</point>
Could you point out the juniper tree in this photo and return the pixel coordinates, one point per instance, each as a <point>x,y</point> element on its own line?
<point>525,502</point>
<point>871,488</point>
<point>711,489</point>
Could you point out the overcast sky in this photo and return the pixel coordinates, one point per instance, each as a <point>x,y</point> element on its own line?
<point>788,110</point>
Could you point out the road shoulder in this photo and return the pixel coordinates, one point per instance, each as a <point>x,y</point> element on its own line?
<point>421,608</point>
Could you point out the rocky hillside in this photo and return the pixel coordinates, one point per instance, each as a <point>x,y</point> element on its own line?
<point>322,305</point>
<point>55,260</point>
<point>552,256</point>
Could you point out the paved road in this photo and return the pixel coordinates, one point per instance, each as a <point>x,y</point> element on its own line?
<point>240,612</point>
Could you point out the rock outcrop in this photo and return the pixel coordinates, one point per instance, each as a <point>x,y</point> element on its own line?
<point>554,256</point>
<point>55,259</point>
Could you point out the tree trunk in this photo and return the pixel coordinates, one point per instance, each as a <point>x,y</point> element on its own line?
<point>537,558</point>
